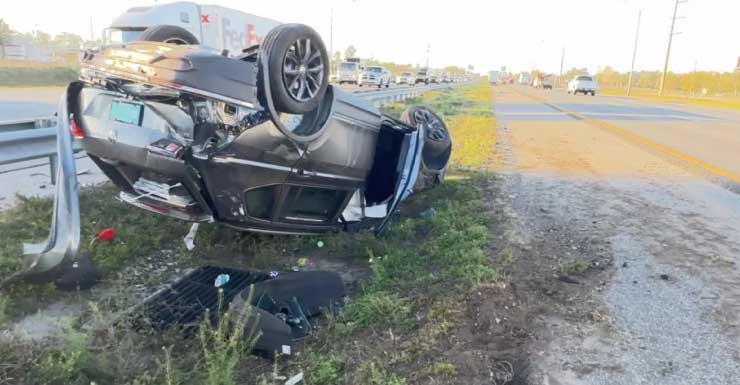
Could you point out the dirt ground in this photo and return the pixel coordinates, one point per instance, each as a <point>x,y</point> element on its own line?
<point>620,266</point>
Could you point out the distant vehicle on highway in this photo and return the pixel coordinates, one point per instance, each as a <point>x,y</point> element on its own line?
<point>584,84</point>
<point>349,71</point>
<point>422,76</point>
<point>547,82</point>
<point>525,79</point>
<point>406,78</point>
<point>376,75</point>
<point>189,23</point>
<point>494,77</point>
<point>542,81</point>
<point>433,79</point>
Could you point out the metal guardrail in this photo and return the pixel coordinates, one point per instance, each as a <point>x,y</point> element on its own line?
<point>28,139</point>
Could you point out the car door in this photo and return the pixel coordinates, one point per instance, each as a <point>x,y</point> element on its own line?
<point>412,149</point>
<point>335,162</point>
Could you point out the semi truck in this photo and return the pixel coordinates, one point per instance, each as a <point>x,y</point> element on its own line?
<point>213,26</point>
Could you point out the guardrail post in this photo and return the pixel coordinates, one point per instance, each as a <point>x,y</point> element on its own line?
<point>53,164</point>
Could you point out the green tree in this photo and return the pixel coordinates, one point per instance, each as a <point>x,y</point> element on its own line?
<point>68,40</point>
<point>42,39</point>
<point>5,34</point>
<point>351,51</point>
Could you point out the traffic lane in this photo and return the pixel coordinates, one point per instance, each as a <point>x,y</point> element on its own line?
<point>706,140</point>
<point>27,103</point>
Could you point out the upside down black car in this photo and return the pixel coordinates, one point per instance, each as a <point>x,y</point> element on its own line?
<point>259,141</point>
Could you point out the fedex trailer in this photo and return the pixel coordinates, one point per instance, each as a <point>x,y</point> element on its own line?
<point>211,25</point>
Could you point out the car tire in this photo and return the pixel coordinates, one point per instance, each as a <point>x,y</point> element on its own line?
<point>437,142</point>
<point>170,34</point>
<point>297,61</point>
<point>593,93</point>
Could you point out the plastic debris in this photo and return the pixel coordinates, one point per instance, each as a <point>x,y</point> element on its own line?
<point>295,379</point>
<point>105,235</point>
<point>302,262</point>
<point>190,238</point>
<point>428,214</point>
<point>286,350</point>
<point>320,244</point>
<point>274,274</point>
<point>221,279</point>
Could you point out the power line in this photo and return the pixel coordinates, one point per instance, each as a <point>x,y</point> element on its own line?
<point>670,40</point>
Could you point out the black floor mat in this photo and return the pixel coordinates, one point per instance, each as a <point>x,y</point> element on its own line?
<point>185,302</point>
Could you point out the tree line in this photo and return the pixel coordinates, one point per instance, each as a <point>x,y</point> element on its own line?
<point>690,83</point>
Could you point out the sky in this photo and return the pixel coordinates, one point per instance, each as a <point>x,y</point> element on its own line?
<point>520,34</point>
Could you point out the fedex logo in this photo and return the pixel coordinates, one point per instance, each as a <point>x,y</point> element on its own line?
<point>236,40</point>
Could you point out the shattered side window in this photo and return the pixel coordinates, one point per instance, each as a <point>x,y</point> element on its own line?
<point>313,204</point>
<point>261,201</point>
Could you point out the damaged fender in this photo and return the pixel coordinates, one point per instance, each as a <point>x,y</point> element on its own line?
<point>64,237</point>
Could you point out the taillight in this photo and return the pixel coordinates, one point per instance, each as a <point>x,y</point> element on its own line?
<point>75,130</point>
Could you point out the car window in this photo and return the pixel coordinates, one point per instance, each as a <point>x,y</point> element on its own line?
<point>375,69</point>
<point>312,204</point>
<point>261,201</point>
<point>584,78</point>
<point>348,66</point>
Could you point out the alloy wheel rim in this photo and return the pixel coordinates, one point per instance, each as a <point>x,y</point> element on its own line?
<point>435,131</point>
<point>303,70</point>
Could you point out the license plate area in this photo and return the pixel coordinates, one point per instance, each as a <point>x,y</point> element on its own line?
<point>125,112</point>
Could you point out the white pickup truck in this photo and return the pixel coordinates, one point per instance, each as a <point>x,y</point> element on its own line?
<point>190,23</point>
<point>582,83</point>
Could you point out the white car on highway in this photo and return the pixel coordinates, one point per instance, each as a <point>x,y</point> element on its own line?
<point>375,76</point>
<point>584,84</point>
<point>406,78</point>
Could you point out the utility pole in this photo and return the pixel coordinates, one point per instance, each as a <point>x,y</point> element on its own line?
<point>92,34</point>
<point>693,80</point>
<point>562,60</point>
<point>331,31</point>
<point>427,66</point>
<point>634,54</point>
<point>668,51</point>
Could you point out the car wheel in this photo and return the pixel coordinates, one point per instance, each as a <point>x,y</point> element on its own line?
<point>437,141</point>
<point>298,68</point>
<point>170,34</point>
<point>593,93</point>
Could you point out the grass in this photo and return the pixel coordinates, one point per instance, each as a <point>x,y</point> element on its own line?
<point>418,274</point>
<point>731,103</point>
<point>138,235</point>
<point>32,76</point>
<point>574,267</point>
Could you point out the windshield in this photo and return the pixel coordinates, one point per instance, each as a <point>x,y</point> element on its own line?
<point>584,78</point>
<point>406,74</point>
<point>374,69</point>
<point>119,36</point>
<point>348,66</point>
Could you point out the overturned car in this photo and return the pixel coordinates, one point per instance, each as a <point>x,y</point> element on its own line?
<point>259,141</point>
